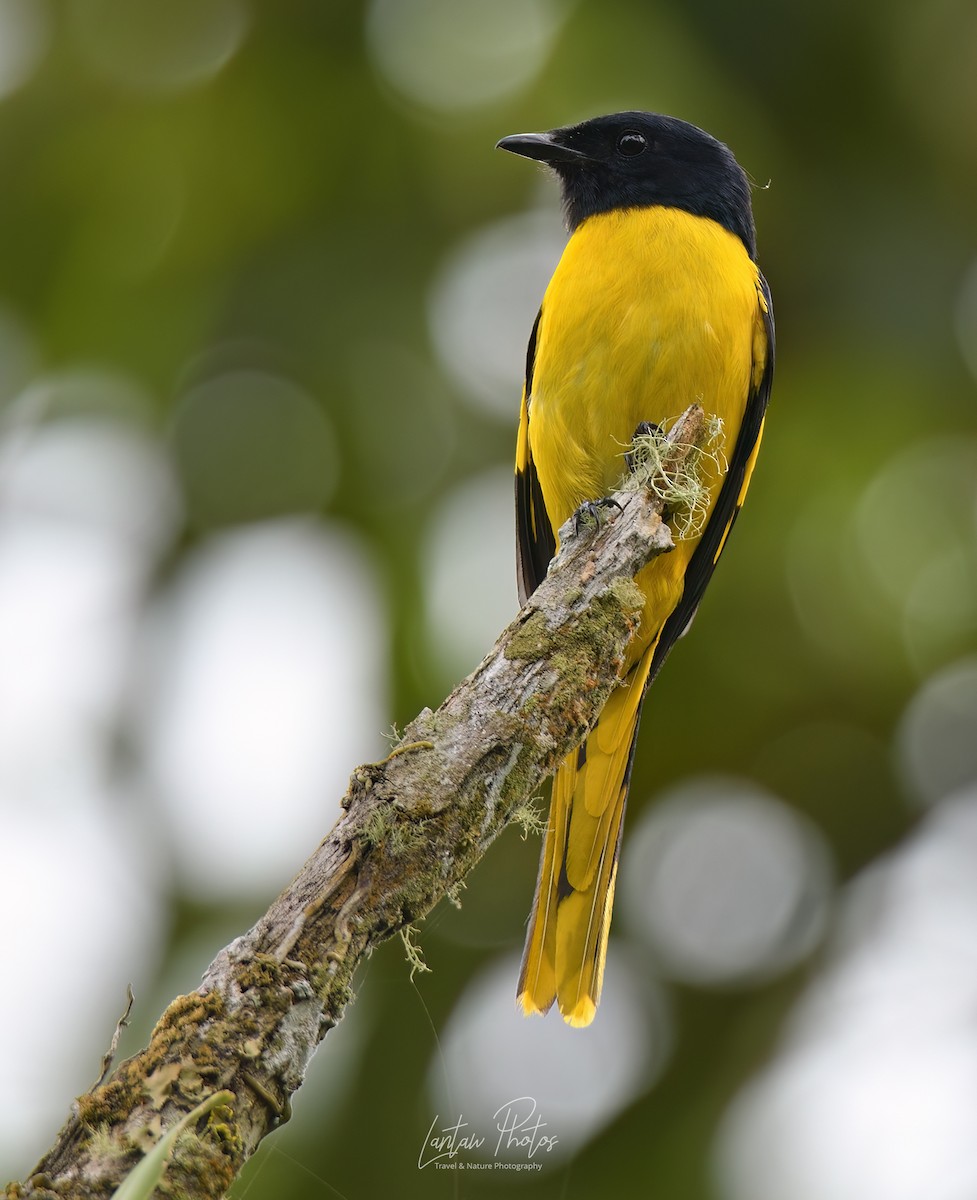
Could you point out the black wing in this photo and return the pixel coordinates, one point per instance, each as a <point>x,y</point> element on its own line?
<point>731,494</point>
<point>535,541</point>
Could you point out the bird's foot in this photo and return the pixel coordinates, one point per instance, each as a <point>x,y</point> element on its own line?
<point>589,511</point>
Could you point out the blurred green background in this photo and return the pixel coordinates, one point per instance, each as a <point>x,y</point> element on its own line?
<point>265,288</point>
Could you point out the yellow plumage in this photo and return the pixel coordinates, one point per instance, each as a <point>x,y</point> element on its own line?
<point>650,309</point>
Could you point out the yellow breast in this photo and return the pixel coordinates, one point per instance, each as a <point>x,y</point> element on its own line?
<point>649,311</point>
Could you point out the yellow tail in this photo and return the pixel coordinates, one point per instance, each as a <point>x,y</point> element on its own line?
<point>567,941</point>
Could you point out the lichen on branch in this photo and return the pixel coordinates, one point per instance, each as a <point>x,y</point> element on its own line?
<point>413,825</point>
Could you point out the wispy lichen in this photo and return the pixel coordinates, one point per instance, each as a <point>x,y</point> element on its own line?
<point>688,491</point>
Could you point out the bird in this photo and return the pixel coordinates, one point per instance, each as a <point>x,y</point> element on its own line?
<point>656,304</point>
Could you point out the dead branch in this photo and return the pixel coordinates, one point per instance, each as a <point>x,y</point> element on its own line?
<point>412,827</point>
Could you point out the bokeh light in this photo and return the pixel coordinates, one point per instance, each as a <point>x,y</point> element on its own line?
<point>74,857</point>
<point>456,54</point>
<point>95,473</point>
<point>872,1096</point>
<point>18,355</point>
<point>725,882</point>
<point>887,576</point>
<point>25,32</point>
<point>937,746</point>
<point>250,444</point>
<point>267,287</point>
<point>82,391</point>
<point>579,1079</point>
<point>263,683</point>
<point>146,48</point>
<point>87,504</point>
<point>825,585</point>
<point>923,498</point>
<point>409,443</point>
<point>471,596</point>
<point>484,302</point>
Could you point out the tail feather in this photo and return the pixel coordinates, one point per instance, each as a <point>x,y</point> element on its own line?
<point>582,931</point>
<point>598,784</point>
<point>537,976</point>
<point>566,946</point>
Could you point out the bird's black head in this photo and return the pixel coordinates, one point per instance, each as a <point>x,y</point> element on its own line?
<point>638,159</point>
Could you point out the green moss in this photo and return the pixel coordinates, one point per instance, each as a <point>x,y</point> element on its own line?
<point>191,1009</point>
<point>200,1163</point>
<point>223,1130</point>
<point>106,1105</point>
<point>628,596</point>
<point>531,641</point>
<point>206,1058</point>
<point>107,1145</point>
<point>333,989</point>
<point>320,979</point>
<point>522,777</point>
<point>404,837</point>
<point>579,662</point>
<point>414,896</point>
<point>377,828</point>
<point>265,975</point>
<point>393,831</point>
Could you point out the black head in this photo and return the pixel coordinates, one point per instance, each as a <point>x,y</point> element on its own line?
<point>638,159</point>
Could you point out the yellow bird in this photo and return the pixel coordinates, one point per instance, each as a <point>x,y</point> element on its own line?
<point>656,304</point>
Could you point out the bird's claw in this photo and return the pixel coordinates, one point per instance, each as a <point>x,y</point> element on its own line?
<point>590,510</point>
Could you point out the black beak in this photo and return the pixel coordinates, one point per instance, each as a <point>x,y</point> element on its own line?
<point>544,147</point>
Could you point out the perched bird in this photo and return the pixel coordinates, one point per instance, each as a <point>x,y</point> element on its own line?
<point>656,304</point>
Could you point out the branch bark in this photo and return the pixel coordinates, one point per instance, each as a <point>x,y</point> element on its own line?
<point>412,827</point>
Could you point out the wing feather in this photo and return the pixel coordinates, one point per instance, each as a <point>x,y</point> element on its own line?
<point>733,491</point>
<point>535,541</point>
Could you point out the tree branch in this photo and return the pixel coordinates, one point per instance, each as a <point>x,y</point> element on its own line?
<point>412,827</point>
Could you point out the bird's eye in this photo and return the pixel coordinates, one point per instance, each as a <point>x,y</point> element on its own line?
<point>631,143</point>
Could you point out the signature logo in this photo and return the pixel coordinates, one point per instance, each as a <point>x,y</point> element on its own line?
<point>517,1141</point>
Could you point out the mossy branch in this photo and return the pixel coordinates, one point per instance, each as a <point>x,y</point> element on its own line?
<point>412,827</point>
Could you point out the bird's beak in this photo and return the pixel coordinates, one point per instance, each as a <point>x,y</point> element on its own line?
<point>544,147</point>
